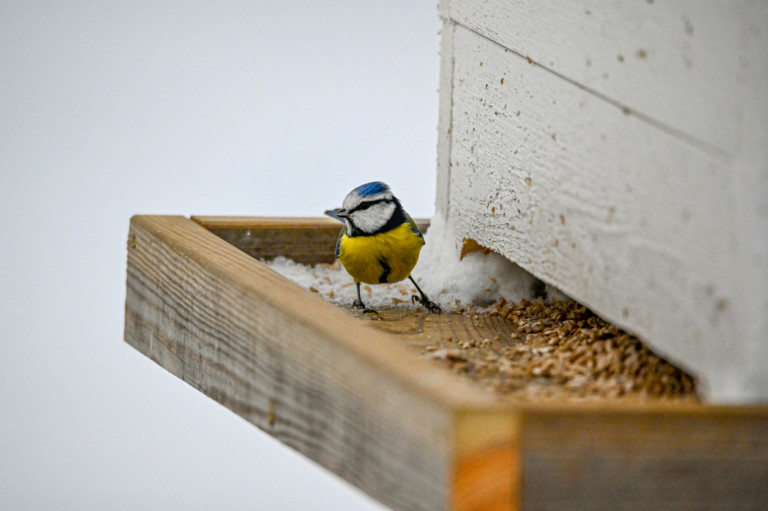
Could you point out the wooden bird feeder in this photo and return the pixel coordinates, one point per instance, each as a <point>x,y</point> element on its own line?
<point>351,395</point>
<point>617,153</point>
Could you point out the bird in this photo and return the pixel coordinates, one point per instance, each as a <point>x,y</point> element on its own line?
<point>379,242</point>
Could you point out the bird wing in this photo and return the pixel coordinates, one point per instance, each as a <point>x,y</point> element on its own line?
<point>413,225</point>
<point>342,232</point>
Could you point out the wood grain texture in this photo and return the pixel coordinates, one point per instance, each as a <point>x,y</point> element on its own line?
<point>300,369</point>
<point>348,393</point>
<point>712,460</point>
<point>305,240</point>
<point>654,233</point>
<point>412,328</point>
<point>486,466</point>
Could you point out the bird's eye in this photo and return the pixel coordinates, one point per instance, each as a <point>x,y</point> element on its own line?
<point>366,205</point>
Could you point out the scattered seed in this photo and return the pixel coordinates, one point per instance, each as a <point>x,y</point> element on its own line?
<point>566,352</point>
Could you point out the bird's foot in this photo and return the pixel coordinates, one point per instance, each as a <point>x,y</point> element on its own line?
<point>359,305</point>
<point>427,303</point>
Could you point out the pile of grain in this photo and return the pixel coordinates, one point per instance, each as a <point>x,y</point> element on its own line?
<point>563,350</point>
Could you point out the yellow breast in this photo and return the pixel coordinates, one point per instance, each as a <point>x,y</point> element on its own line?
<point>384,257</point>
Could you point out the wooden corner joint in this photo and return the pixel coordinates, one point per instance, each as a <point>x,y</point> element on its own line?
<point>486,465</point>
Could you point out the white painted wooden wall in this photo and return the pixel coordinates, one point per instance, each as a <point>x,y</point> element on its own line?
<point>619,151</point>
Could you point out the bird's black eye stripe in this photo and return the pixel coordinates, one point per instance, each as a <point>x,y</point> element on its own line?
<point>366,205</point>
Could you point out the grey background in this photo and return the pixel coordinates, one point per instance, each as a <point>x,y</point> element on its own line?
<point>108,109</point>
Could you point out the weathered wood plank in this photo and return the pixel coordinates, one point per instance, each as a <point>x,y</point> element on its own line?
<point>305,240</point>
<point>329,386</point>
<point>351,397</point>
<point>646,459</point>
<point>486,466</point>
<point>412,328</point>
<point>628,219</point>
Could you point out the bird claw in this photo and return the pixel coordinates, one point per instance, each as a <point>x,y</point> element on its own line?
<point>427,303</point>
<point>359,305</point>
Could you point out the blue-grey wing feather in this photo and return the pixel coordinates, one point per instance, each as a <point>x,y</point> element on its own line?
<point>413,225</point>
<point>338,241</point>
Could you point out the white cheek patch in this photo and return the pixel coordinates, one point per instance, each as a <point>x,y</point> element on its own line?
<point>374,218</point>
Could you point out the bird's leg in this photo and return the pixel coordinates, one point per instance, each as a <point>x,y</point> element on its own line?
<point>426,302</point>
<point>358,303</point>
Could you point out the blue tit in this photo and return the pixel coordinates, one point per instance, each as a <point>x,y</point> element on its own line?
<point>379,242</point>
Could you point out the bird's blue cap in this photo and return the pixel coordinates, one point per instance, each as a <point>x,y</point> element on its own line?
<point>371,189</point>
